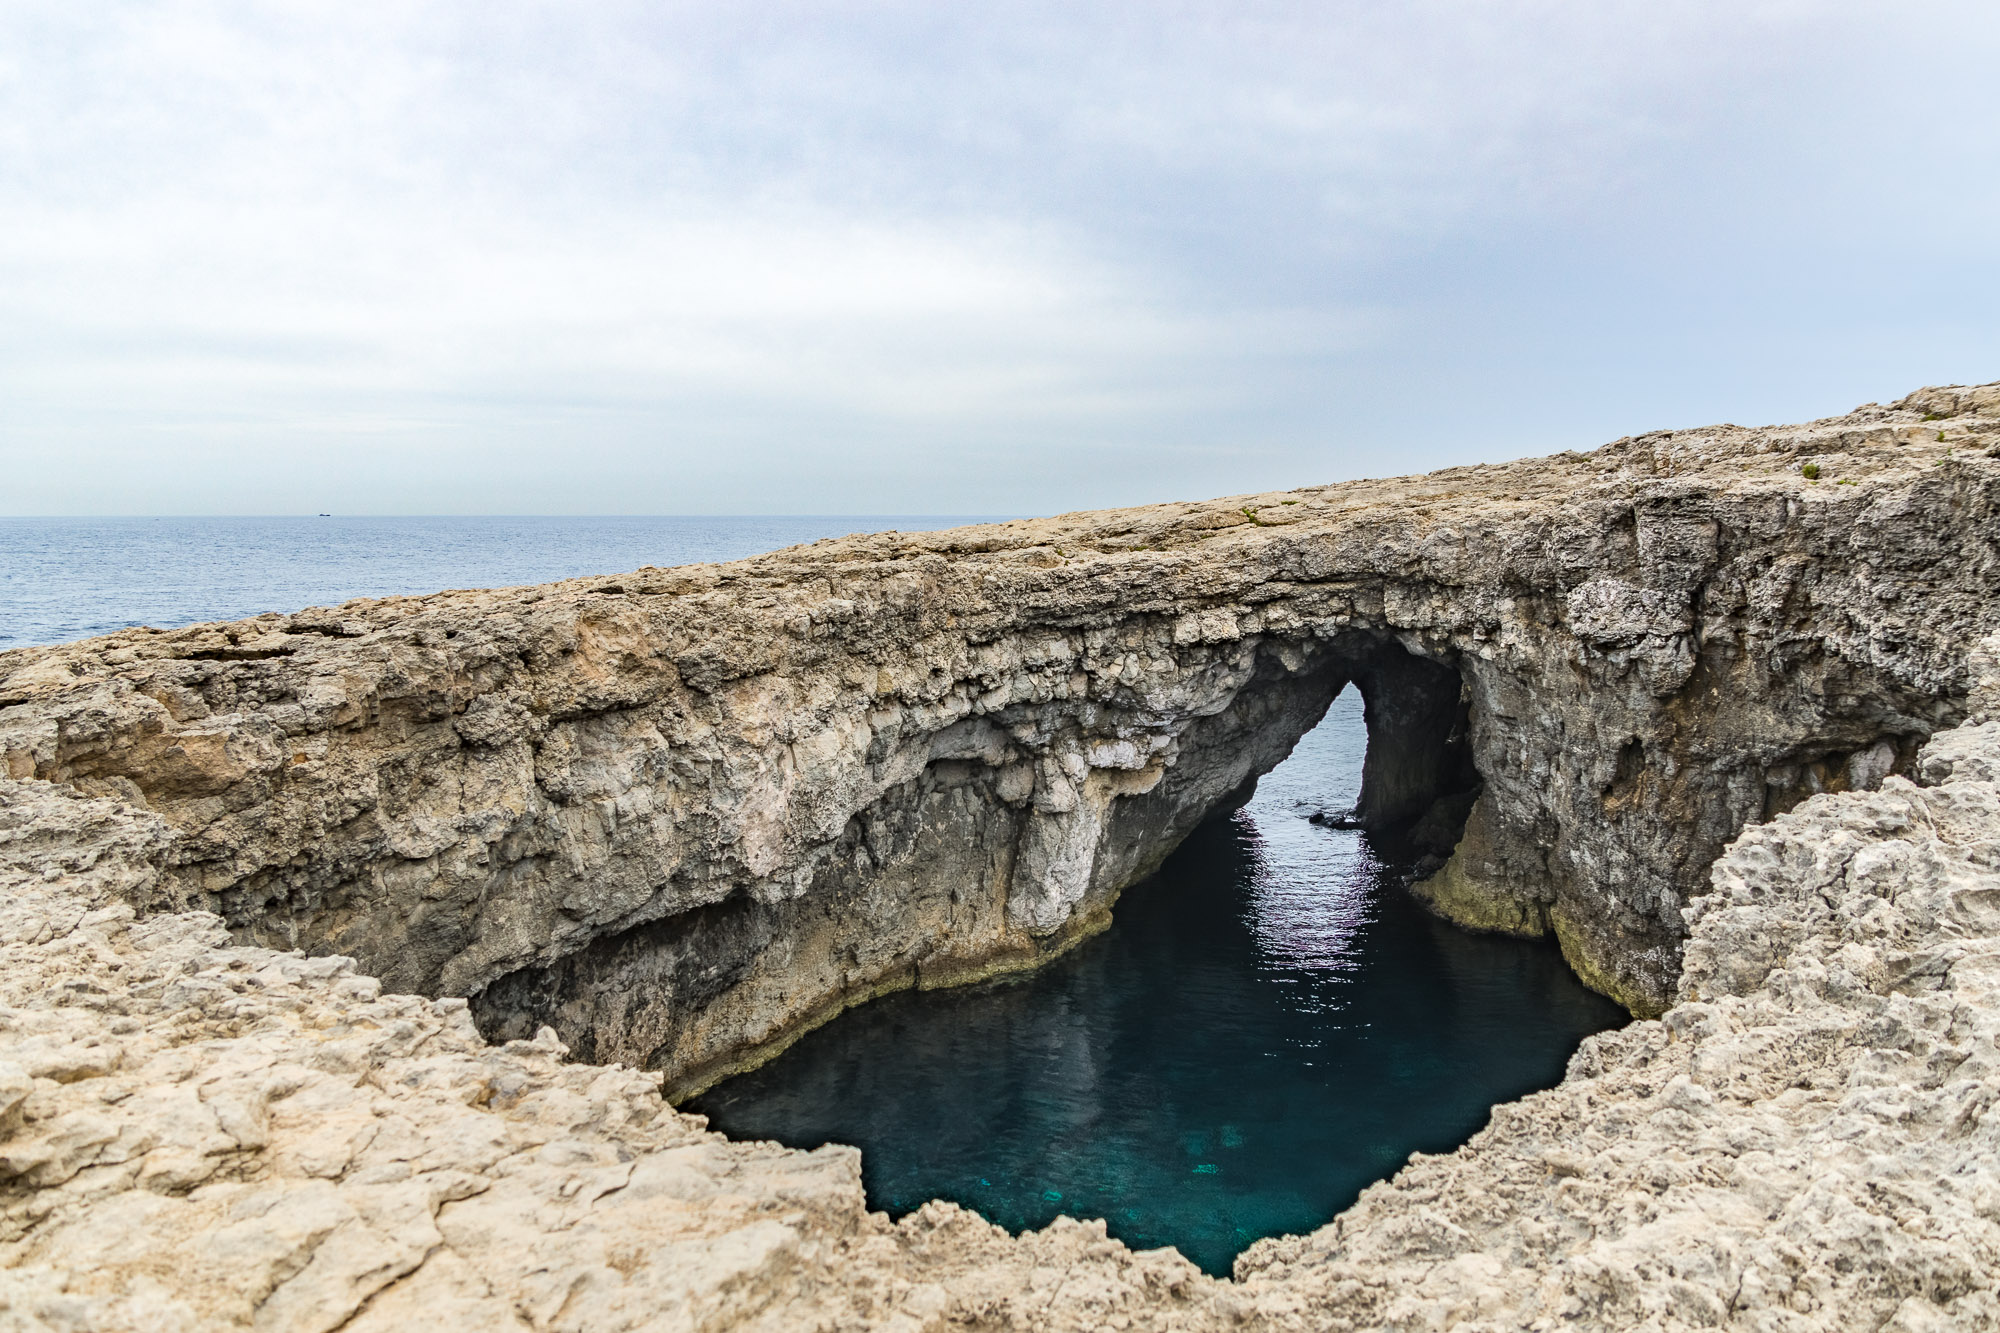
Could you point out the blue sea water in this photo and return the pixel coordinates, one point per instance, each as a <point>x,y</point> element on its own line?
<point>1270,1024</point>
<point>68,578</point>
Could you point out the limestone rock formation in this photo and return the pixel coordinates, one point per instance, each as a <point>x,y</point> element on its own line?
<point>1808,1140</point>
<point>200,1135</point>
<point>679,815</point>
<point>197,1136</point>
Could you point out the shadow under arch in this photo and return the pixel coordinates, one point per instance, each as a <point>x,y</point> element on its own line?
<point>921,890</point>
<point>1418,779</point>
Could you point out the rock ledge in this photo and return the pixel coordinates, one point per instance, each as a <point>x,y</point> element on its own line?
<point>198,1130</point>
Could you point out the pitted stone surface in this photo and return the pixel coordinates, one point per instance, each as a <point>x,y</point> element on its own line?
<point>1808,1140</point>
<point>733,783</point>
<point>200,1135</point>
<point>683,814</point>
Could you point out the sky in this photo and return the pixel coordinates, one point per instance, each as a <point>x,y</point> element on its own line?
<point>500,257</point>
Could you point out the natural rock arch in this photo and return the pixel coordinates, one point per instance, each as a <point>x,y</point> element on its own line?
<point>1654,643</point>
<point>760,769</point>
<point>999,853</point>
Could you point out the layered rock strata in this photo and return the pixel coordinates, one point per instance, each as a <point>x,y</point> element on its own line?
<point>681,815</point>
<point>1809,1138</point>
<point>197,1134</point>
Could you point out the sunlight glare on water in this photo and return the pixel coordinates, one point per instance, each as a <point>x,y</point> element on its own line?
<point>1270,1024</point>
<point>1309,886</point>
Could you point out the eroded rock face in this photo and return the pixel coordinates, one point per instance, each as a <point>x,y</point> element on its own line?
<point>680,815</point>
<point>1808,1139</point>
<point>198,1134</point>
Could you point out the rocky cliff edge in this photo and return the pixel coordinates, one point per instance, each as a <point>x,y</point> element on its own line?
<point>199,1133</point>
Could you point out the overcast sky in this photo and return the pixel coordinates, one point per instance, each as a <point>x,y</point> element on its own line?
<point>1006,258</point>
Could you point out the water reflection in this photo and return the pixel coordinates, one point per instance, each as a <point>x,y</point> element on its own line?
<point>1309,886</point>
<point>1271,1025</point>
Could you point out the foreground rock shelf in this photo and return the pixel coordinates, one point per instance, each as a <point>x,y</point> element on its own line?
<point>680,815</point>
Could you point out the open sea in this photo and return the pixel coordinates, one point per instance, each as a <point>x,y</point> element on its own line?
<point>68,578</point>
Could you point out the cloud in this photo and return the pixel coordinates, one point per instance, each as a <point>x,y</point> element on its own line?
<point>876,247</point>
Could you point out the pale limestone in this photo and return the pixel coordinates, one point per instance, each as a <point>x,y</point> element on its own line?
<point>203,1132</point>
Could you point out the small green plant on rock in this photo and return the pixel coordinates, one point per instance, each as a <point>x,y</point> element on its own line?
<point>1810,471</point>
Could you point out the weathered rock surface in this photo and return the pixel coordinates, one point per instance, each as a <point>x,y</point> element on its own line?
<point>200,1135</point>
<point>196,1135</point>
<point>681,814</point>
<point>1808,1140</point>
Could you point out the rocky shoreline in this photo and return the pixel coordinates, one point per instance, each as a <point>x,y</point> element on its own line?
<point>705,788</point>
<point>205,1135</point>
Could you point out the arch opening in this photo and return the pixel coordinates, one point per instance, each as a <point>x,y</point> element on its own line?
<point>997,855</point>
<point>1272,1022</point>
<point>1418,779</point>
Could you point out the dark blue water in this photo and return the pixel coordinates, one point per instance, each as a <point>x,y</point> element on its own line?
<point>67,578</point>
<point>1270,1025</point>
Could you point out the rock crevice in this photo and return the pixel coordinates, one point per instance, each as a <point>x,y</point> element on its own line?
<point>883,759</point>
<point>673,818</point>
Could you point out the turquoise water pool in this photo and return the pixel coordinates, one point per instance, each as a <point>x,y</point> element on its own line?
<point>1270,1025</point>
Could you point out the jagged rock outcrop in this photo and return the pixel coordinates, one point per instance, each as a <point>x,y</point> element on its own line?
<point>1809,1139</point>
<point>680,815</point>
<point>196,1134</point>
